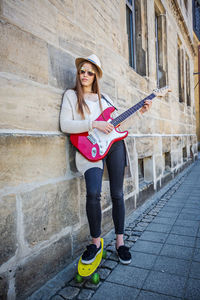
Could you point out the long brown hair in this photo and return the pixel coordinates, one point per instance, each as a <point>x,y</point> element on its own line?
<point>81,104</point>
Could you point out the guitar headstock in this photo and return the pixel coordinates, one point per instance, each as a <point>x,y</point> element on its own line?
<point>161,92</point>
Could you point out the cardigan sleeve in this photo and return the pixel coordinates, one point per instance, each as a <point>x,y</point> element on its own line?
<point>67,122</point>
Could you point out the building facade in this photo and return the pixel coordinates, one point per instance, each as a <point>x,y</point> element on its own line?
<point>196,39</point>
<point>142,45</point>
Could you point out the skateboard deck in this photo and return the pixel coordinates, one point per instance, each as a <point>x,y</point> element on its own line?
<point>86,270</point>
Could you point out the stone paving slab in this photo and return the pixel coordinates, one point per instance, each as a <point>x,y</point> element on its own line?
<point>143,260</point>
<point>187,223</point>
<point>166,221</point>
<point>166,228</point>
<point>177,251</point>
<point>193,289</point>
<point>164,240</point>
<point>144,295</point>
<point>196,256</point>
<point>194,217</point>
<point>147,247</point>
<point>182,230</point>
<point>128,276</point>
<point>165,283</point>
<point>195,270</point>
<point>115,291</point>
<point>167,214</point>
<point>174,239</point>
<point>197,244</point>
<point>172,266</point>
<point>159,237</point>
<point>172,209</point>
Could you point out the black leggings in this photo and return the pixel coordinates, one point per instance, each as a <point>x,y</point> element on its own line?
<point>115,161</point>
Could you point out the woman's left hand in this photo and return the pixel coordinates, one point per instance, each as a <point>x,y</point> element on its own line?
<point>146,107</point>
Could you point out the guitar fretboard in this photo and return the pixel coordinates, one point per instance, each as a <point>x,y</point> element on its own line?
<point>115,122</point>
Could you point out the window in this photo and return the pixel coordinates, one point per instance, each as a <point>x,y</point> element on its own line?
<point>130,19</point>
<point>180,61</point>
<point>161,47</point>
<point>186,4</point>
<point>167,161</point>
<point>196,17</point>
<point>184,154</point>
<point>140,170</point>
<point>187,74</point>
<point>136,17</point>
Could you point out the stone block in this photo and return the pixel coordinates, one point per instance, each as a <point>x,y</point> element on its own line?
<point>49,209</point>
<point>81,238</point>
<point>129,186</point>
<point>36,270</point>
<point>72,38</point>
<point>163,126</point>
<point>157,145</point>
<point>105,195</point>
<point>176,142</point>
<point>159,165</point>
<point>69,292</point>
<point>132,158</point>
<point>83,216</point>
<point>148,169</point>
<point>144,146</point>
<point>8,240</point>
<point>114,67</point>
<point>146,124</point>
<point>22,53</point>
<point>3,287</point>
<point>174,159</point>
<point>71,155</point>
<point>108,23</point>
<point>107,223</point>
<point>62,69</point>
<point>122,95</point>
<point>108,87</point>
<point>130,205</point>
<point>145,194</point>
<point>166,144</point>
<point>39,18</point>
<point>40,106</point>
<point>65,7</point>
<point>161,109</point>
<point>31,158</point>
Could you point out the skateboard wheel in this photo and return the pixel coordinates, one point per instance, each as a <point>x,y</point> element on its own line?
<point>95,278</point>
<point>78,278</point>
<point>104,254</point>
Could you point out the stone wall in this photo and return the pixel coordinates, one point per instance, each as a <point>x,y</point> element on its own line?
<point>197,87</point>
<point>43,225</point>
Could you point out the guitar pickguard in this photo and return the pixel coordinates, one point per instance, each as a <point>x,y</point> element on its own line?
<point>104,140</point>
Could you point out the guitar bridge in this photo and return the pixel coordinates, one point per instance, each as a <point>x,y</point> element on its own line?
<point>91,139</point>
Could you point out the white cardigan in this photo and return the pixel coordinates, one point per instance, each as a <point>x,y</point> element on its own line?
<point>71,122</point>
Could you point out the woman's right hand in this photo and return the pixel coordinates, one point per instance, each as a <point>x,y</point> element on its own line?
<point>103,126</point>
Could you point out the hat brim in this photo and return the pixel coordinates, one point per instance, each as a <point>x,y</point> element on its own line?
<point>81,59</point>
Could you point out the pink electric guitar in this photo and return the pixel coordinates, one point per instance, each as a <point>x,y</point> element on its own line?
<point>94,145</point>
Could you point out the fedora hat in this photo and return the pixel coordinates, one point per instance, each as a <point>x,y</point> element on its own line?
<point>92,59</point>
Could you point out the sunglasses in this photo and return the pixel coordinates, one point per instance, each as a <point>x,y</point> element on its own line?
<point>89,72</point>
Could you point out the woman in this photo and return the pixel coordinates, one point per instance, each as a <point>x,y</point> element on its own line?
<point>81,107</point>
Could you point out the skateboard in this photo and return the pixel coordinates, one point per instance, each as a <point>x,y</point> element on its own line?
<point>85,270</point>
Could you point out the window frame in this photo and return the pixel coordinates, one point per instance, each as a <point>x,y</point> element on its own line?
<point>132,40</point>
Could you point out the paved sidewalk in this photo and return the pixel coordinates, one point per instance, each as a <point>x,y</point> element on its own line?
<point>164,239</point>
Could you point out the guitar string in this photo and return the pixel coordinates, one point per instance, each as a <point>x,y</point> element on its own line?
<point>130,111</point>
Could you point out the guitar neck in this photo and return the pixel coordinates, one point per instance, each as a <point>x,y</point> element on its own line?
<point>119,119</point>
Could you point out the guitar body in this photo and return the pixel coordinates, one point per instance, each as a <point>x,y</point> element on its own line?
<point>94,145</point>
